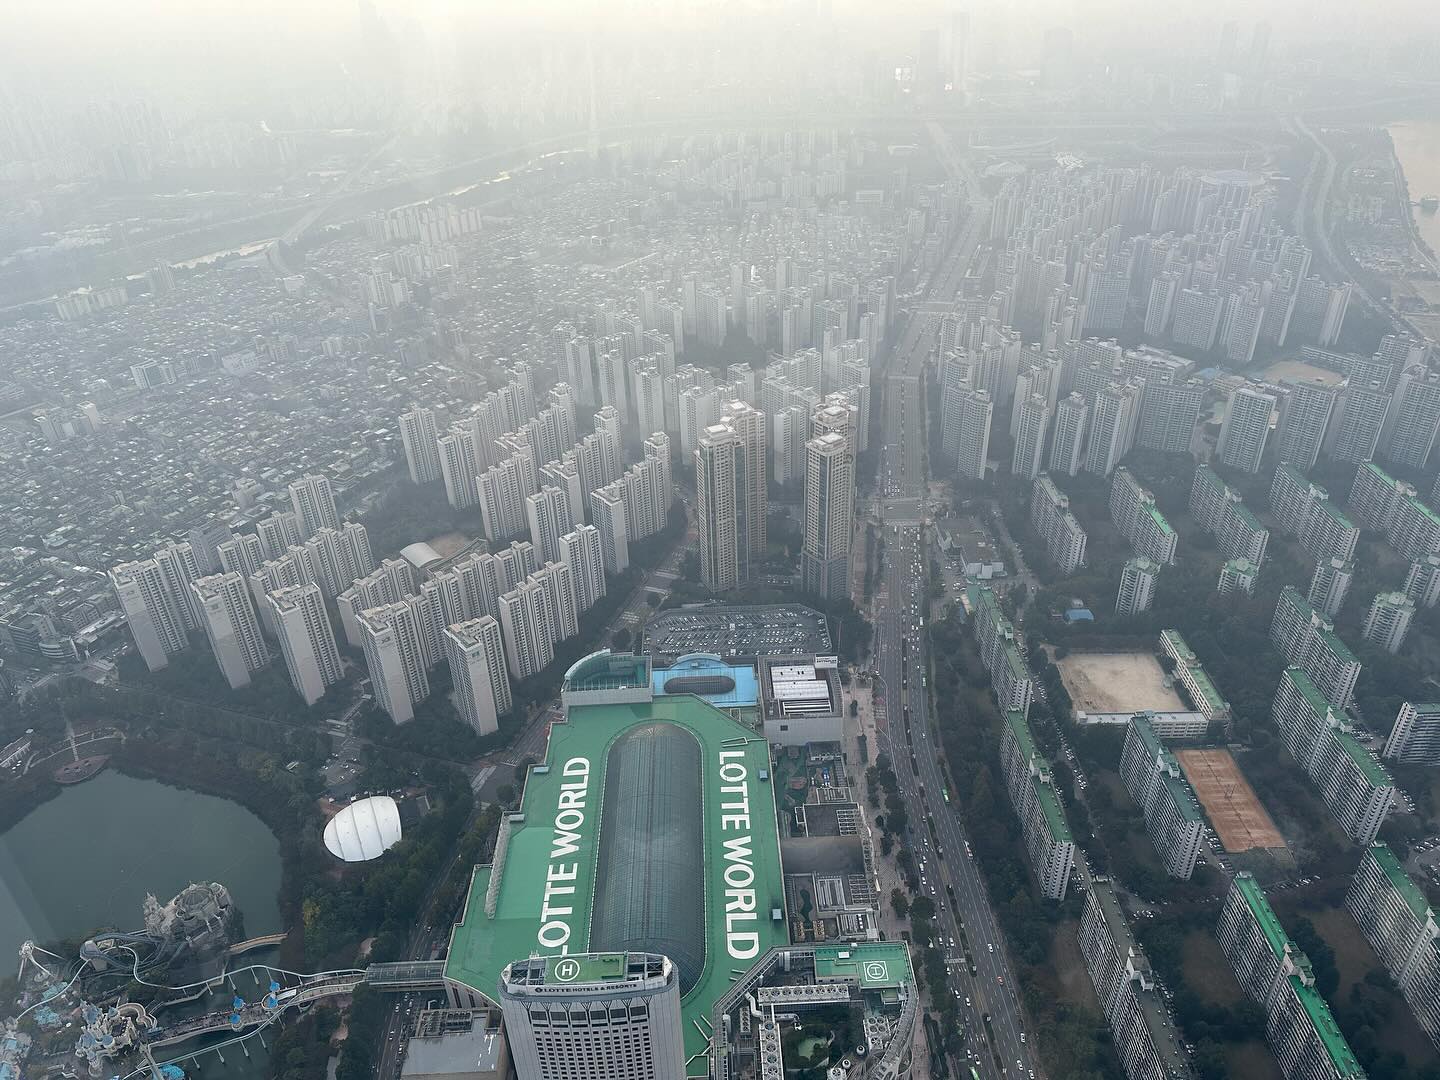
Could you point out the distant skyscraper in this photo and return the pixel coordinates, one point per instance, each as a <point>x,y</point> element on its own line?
<point>419,435</point>
<point>1068,444</point>
<point>150,611</point>
<point>306,640</point>
<point>394,653</point>
<point>973,421</point>
<point>1305,411</point>
<point>231,626</point>
<point>1033,420</point>
<point>1245,429</point>
<point>581,550</point>
<point>477,668</point>
<point>314,504</point>
<point>829,516</point>
<point>751,482</point>
<point>717,461</point>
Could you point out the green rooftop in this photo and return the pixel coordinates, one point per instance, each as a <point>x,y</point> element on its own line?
<point>1181,647</point>
<point>1264,916</point>
<point>874,965</point>
<point>1020,728</point>
<point>1182,794</point>
<point>1341,1056</point>
<point>1053,811</point>
<point>1423,510</point>
<point>1313,697</point>
<point>1364,760</point>
<point>1337,648</point>
<point>1335,513</point>
<point>1400,881</point>
<point>557,895</point>
<point>587,968</point>
<point>1250,520</point>
<point>1159,519</point>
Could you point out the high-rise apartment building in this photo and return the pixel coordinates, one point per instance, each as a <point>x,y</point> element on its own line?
<point>717,462</point>
<point>313,503</point>
<point>1246,428</point>
<point>527,627</point>
<point>1302,1033</point>
<point>752,500</point>
<point>231,626</point>
<point>829,515</point>
<point>610,513</point>
<point>1304,510</point>
<point>1048,840</point>
<point>1133,510</point>
<point>1158,786</point>
<point>1388,620</point>
<point>1321,738</point>
<point>1032,423</point>
<point>995,634</point>
<point>1308,640</point>
<point>391,636</point>
<point>307,640</point>
<point>1415,736</point>
<point>1130,994</point>
<point>1306,406</point>
<point>974,412</point>
<point>1067,444</point>
<point>150,611</point>
<point>179,569</point>
<point>1051,516</point>
<point>1137,586</point>
<point>1329,585</point>
<point>1413,418</point>
<point>582,550</point>
<point>1422,581</point>
<point>1402,928</point>
<point>420,437</point>
<point>1114,422</point>
<point>477,668</point>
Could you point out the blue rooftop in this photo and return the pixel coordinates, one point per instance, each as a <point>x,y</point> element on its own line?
<point>724,685</point>
<point>1079,614</point>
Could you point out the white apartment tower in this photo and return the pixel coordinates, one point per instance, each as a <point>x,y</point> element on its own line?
<point>395,655</point>
<point>231,626</point>
<point>307,640</point>
<point>477,667</point>
<point>419,436</point>
<point>717,462</point>
<point>314,504</point>
<point>151,612</point>
<point>1246,428</point>
<point>829,515</point>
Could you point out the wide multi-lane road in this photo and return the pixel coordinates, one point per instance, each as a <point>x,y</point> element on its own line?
<point>950,877</point>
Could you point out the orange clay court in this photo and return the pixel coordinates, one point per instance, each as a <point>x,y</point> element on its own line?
<point>1234,809</point>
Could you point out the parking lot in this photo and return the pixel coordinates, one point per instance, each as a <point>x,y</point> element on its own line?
<point>737,631</point>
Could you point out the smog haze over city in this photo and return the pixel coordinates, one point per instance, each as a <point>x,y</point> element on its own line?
<point>658,539</point>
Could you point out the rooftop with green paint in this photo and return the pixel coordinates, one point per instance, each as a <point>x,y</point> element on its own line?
<point>612,852</point>
<point>1318,1013</point>
<point>1263,914</point>
<point>873,965</point>
<point>1400,881</point>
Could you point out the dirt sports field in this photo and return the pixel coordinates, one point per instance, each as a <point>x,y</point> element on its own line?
<point>1117,682</point>
<point>1234,809</point>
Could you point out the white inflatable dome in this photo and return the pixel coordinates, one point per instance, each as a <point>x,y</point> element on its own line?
<point>364,830</point>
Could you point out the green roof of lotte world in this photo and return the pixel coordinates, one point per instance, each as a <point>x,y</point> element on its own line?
<point>640,863</point>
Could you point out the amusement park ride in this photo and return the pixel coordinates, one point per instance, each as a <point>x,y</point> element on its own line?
<point>120,1038</point>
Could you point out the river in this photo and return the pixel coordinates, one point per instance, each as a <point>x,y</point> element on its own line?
<point>86,859</point>
<point>1417,144</point>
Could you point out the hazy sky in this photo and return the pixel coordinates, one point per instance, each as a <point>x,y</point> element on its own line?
<point>144,41</point>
